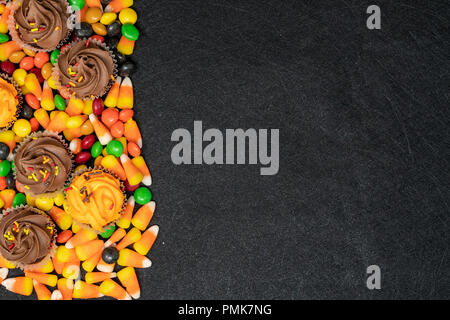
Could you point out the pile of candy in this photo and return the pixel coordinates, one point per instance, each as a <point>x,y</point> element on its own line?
<point>100,133</point>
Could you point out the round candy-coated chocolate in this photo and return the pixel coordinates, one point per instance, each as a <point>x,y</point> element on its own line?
<point>130,31</point>
<point>129,187</point>
<point>127,69</point>
<point>96,149</point>
<point>77,4</point>
<point>19,199</point>
<point>121,58</point>
<point>114,29</point>
<point>60,103</point>
<point>108,232</point>
<point>54,56</point>
<point>3,38</point>
<point>5,168</point>
<point>27,112</point>
<point>114,148</point>
<point>82,157</point>
<point>98,106</point>
<point>85,30</point>
<point>88,141</point>
<point>112,42</point>
<point>110,255</point>
<point>4,151</point>
<point>142,195</point>
<point>10,181</point>
<point>8,67</point>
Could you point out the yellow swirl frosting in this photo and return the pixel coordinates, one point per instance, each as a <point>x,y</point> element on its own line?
<point>8,102</point>
<point>95,198</point>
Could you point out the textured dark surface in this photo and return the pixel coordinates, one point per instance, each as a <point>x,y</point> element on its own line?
<point>364,148</point>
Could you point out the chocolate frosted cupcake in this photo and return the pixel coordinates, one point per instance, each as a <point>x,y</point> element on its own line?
<point>27,237</point>
<point>85,69</point>
<point>40,25</point>
<point>43,164</point>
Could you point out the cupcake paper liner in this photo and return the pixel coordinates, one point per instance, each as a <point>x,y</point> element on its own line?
<point>69,173</point>
<point>16,36</point>
<point>122,188</point>
<point>19,102</point>
<point>67,92</point>
<point>52,248</point>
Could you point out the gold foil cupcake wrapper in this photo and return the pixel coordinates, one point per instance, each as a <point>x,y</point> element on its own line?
<point>55,135</point>
<point>19,101</point>
<point>52,248</point>
<point>67,92</point>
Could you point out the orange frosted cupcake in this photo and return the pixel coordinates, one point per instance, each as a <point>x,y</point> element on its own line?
<point>9,103</point>
<point>95,198</point>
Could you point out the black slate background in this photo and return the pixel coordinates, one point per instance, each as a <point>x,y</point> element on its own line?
<point>364,148</point>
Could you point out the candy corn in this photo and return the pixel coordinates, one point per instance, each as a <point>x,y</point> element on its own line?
<point>101,131</point>
<point>7,196</point>
<point>126,46</point>
<point>59,265</point>
<point>6,264</point>
<point>105,267</point>
<point>132,236</point>
<point>142,217</point>
<point>57,295</point>
<point>132,132</point>
<point>58,122</point>
<point>7,48</point>
<point>125,220</point>
<point>47,101</point>
<point>3,274</point>
<point>116,236</point>
<point>112,289</point>
<point>90,264</point>
<point>126,94</point>
<point>130,258</point>
<point>65,286</point>
<point>42,117</point>
<point>4,20</point>
<point>128,279</point>
<point>75,107</point>
<point>81,237</point>
<point>134,176</point>
<point>93,3</point>
<point>71,269</point>
<point>48,279</point>
<point>45,268</point>
<point>33,85</point>
<point>19,285</point>
<point>95,277</point>
<point>88,249</point>
<point>113,94</point>
<point>117,5</point>
<point>111,163</point>
<point>42,291</point>
<point>61,218</point>
<point>83,290</point>
<point>144,244</point>
<point>65,255</point>
<point>139,162</point>
<point>71,134</point>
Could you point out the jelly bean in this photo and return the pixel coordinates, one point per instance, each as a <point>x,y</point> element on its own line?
<point>128,15</point>
<point>3,185</point>
<point>126,115</point>
<point>27,63</point>
<point>117,129</point>
<point>19,76</point>
<point>84,31</point>
<point>38,74</point>
<point>22,128</point>
<point>130,31</point>
<point>19,199</point>
<point>98,38</point>
<point>98,106</point>
<point>93,15</point>
<point>5,168</point>
<point>34,124</point>
<point>87,128</point>
<point>8,67</point>
<point>4,37</point>
<point>96,149</point>
<point>4,151</point>
<point>17,56</point>
<point>60,103</point>
<point>114,148</point>
<point>110,116</point>
<point>77,4</point>
<point>54,56</point>
<point>88,141</point>
<point>44,203</point>
<point>108,18</point>
<point>40,59</point>
<point>99,29</point>
<point>32,101</point>
<point>133,149</point>
<point>64,236</point>
<point>46,70</point>
<point>142,195</point>
<point>82,157</point>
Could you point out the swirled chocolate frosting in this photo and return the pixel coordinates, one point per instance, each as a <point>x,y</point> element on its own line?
<point>25,236</point>
<point>86,69</point>
<point>42,23</point>
<point>42,165</point>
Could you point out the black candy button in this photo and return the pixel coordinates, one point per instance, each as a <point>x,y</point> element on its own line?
<point>110,255</point>
<point>127,69</point>
<point>10,181</point>
<point>114,29</point>
<point>85,30</point>
<point>27,112</point>
<point>4,151</point>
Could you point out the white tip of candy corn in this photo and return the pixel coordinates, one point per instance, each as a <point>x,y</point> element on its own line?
<point>136,295</point>
<point>9,283</point>
<point>127,297</point>
<point>57,295</point>
<point>147,181</point>
<point>146,263</point>
<point>127,82</point>
<point>3,273</point>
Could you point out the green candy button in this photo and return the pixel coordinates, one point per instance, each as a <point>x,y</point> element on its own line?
<point>5,168</point>
<point>54,56</point>
<point>19,199</point>
<point>142,195</point>
<point>77,4</point>
<point>130,32</point>
<point>115,148</point>
<point>3,38</point>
